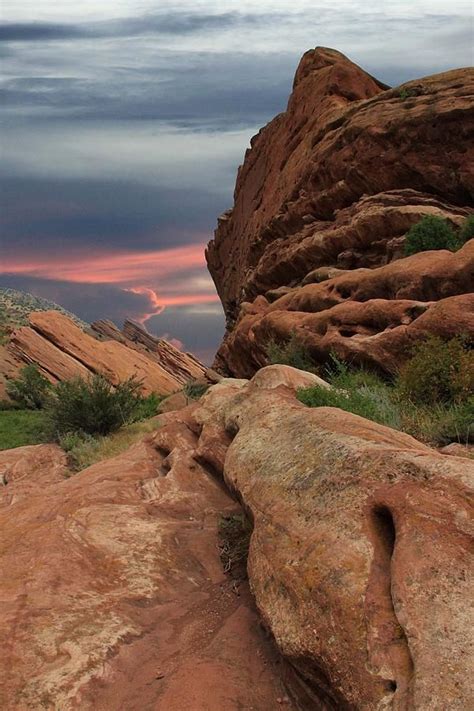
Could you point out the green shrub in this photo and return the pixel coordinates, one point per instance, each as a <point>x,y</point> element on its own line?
<point>466,232</point>
<point>93,406</point>
<point>146,407</point>
<point>439,372</point>
<point>195,389</point>
<point>31,389</point>
<point>293,353</point>
<point>431,232</point>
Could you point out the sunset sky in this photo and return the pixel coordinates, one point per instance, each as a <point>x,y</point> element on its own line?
<point>123,124</point>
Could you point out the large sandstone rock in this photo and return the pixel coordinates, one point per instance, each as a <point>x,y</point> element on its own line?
<point>333,184</point>
<point>113,595</point>
<point>361,552</point>
<point>183,366</point>
<point>62,351</point>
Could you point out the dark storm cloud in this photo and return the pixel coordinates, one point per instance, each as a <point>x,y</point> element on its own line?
<point>90,302</point>
<point>200,329</point>
<point>48,214</point>
<point>180,23</point>
<point>245,91</point>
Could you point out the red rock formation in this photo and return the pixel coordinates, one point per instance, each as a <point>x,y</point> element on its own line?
<point>62,351</point>
<point>333,183</point>
<point>113,595</point>
<point>184,366</point>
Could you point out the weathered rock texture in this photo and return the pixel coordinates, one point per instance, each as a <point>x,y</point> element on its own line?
<point>62,350</point>
<point>326,195</point>
<point>113,596</point>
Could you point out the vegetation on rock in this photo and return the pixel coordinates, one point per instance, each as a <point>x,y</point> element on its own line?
<point>432,398</point>
<point>291,352</point>
<point>195,389</point>
<point>433,232</point>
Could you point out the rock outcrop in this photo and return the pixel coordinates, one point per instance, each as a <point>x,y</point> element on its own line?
<point>62,351</point>
<point>326,195</point>
<point>113,596</point>
<point>183,366</point>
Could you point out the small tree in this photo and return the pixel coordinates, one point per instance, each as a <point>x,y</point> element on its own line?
<point>431,232</point>
<point>93,406</point>
<point>31,390</point>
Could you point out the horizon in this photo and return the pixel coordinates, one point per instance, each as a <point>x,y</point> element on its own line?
<point>124,128</point>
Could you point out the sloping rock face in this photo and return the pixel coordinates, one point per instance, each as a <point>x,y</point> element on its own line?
<point>113,596</point>
<point>184,366</point>
<point>62,351</point>
<point>333,185</point>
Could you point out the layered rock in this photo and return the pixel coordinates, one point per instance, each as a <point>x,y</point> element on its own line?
<point>62,351</point>
<point>184,366</point>
<point>113,595</point>
<point>335,183</point>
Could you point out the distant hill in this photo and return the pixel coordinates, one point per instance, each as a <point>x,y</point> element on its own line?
<point>16,305</point>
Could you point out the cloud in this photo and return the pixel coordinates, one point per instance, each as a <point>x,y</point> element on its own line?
<point>199,327</point>
<point>165,23</point>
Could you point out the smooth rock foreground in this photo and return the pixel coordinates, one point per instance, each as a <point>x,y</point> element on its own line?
<point>113,596</point>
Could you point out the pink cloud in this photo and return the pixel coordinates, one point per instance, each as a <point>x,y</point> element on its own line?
<point>110,268</point>
<point>136,272</point>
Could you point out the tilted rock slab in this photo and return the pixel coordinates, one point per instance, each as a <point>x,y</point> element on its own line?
<point>62,351</point>
<point>335,183</point>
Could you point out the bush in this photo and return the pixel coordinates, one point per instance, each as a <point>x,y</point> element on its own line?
<point>293,353</point>
<point>431,232</point>
<point>93,406</point>
<point>467,231</point>
<point>195,389</point>
<point>31,390</point>
<point>439,372</point>
<point>146,407</point>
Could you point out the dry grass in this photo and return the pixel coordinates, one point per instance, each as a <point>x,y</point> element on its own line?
<point>85,450</point>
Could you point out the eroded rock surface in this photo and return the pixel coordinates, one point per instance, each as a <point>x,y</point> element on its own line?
<point>326,195</point>
<point>113,595</point>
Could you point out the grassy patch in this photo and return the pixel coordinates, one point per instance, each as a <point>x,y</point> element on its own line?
<point>195,389</point>
<point>234,540</point>
<point>431,400</point>
<point>84,450</point>
<point>292,352</point>
<point>21,427</point>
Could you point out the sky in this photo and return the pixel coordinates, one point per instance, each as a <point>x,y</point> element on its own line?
<point>123,124</point>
